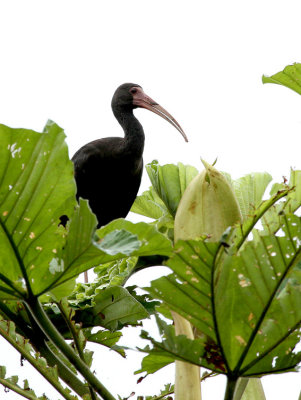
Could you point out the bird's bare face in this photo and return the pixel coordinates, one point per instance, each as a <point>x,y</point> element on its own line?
<point>123,97</point>
<point>142,100</point>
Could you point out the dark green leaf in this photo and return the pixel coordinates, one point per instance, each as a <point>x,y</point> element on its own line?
<point>188,290</point>
<point>201,351</point>
<point>255,294</point>
<point>112,308</point>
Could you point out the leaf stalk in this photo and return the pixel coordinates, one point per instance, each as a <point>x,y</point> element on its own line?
<point>57,339</point>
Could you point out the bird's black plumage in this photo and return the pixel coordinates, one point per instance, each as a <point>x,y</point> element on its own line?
<point>108,171</point>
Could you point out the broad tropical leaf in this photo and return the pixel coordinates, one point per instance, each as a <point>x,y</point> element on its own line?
<point>114,254</point>
<point>188,290</point>
<point>36,188</point>
<point>249,191</point>
<point>151,241</point>
<point>254,292</point>
<point>170,182</point>
<point>149,204</point>
<point>201,352</point>
<point>112,308</point>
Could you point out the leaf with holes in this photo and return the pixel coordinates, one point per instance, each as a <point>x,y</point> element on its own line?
<point>36,188</point>
<point>262,307</point>
<point>246,303</point>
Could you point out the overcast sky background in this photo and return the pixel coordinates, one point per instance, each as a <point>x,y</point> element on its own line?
<point>201,60</point>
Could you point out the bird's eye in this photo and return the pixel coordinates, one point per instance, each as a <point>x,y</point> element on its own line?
<point>133,90</point>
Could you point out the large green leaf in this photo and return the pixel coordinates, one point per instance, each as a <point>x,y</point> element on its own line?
<point>246,303</point>
<point>201,352</point>
<point>188,290</point>
<point>149,204</point>
<point>151,241</point>
<point>119,243</point>
<point>249,191</point>
<point>170,182</point>
<point>289,77</point>
<point>113,308</point>
<point>36,188</point>
<point>261,308</point>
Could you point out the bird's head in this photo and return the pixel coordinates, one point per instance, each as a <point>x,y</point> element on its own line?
<point>129,96</point>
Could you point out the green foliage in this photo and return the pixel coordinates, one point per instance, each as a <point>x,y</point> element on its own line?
<point>253,291</point>
<point>151,241</point>
<point>164,394</point>
<point>107,339</point>
<point>273,218</point>
<point>22,345</point>
<point>242,294</point>
<point>161,201</point>
<point>249,191</point>
<point>115,307</point>
<point>170,181</point>
<point>32,244</point>
<point>36,188</point>
<point>289,77</point>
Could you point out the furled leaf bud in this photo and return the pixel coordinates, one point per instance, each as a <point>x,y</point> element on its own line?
<point>207,207</point>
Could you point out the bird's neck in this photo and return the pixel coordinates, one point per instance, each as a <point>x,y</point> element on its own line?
<point>133,131</point>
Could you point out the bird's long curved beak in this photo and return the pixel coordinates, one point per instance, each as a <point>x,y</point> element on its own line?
<point>140,99</point>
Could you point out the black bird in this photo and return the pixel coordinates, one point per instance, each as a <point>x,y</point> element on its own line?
<point>108,171</point>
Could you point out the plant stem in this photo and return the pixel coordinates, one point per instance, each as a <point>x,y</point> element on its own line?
<point>187,380</point>
<point>57,339</point>
<point>77,343</point>
<point>5,333</point>
<point>17,389</point>
<point>230,388</point>
<point>240,388</point>
<point>38,340</point>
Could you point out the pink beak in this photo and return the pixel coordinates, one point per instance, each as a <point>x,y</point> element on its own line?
<point>140,99</point>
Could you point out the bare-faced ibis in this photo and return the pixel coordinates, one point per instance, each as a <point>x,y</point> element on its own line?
<point>108,171</point>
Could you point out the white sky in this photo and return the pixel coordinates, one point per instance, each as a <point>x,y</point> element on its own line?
<point>201,60</point>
